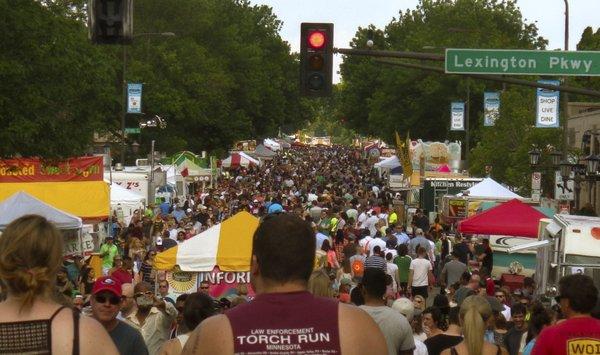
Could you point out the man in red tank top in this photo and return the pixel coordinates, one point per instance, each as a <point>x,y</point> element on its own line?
<point>284,317</point>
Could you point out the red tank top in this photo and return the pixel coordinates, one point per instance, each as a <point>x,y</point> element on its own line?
<point>295,322</point>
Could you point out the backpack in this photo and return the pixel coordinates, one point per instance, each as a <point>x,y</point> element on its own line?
<point>358,267</point>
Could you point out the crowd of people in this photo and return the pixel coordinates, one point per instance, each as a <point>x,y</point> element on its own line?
<point>335,267</point>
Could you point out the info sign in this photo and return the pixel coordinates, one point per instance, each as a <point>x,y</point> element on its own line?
<point>522,62</point>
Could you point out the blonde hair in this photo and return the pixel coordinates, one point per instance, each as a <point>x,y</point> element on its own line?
<point>423,304</point>
<point>31,250</point>
<point>319,284</point>
<point>474,313</point>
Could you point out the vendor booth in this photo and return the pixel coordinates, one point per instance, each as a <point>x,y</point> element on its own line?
<point>239,159</point>
<point>21,204</point>
<point>508,225</point>
<point>263,152</point>
<point>75,186</point>
<point>124,202</point>
<point>220,254</point>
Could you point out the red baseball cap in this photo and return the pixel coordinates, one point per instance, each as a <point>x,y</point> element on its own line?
<point>107,283</point>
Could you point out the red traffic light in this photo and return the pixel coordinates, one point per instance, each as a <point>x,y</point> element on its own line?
<point>316,39</point>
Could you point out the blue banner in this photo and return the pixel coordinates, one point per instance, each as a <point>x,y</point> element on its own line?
<point>457,116</point>
<point>547,106</point>
<point>491,108</point>
<point>134,98</point>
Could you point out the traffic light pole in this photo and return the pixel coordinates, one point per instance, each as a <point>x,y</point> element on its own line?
<point>441,58</point>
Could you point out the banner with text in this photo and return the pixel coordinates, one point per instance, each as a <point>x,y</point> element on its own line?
<point>491,108</point>
<point>457,116</point>
<point>547,106</point>
<point>134,98</point>
<point>35,170</point>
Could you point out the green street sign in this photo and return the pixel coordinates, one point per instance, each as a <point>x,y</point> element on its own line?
<point>133,130</point>
<point>522,62</point>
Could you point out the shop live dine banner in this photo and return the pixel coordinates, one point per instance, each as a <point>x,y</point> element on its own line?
<point>74,185</point>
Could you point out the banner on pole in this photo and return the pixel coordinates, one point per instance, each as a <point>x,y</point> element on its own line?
<point>547,106</point>
<point>491,108</point>
<point>457,116</point>
<point>134,98</point>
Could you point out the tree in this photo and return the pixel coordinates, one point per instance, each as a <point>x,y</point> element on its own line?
<point>379,99</point>
<point>505,146</point>
<point>226,76</point>
<point>57,89</point>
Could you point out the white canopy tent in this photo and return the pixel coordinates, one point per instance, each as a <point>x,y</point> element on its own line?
<point>389,163</point>
<point>488,188</point>
<point>125,202</point>
<point>239,159</point>
<point>271,144</point>
<point>21,204</point>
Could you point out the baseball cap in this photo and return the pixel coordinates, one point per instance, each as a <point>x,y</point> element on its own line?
<point>107,283</point>
<point>405,307</point>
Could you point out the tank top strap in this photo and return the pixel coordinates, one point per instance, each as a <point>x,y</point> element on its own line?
<point>56,313</point>
<point>453,351</point>
<point>76,332</point>
<point>499,351</point>
<point>183,338</point>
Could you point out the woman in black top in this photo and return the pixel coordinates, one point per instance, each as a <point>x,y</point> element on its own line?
<point>451,337</point>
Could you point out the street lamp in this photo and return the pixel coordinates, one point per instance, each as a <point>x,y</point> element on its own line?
<point>124,82</point>
<point>591,164</point>
<point>534,156</point>
<point>565,171</point>
<point>135,147</point>
<point>556,157</point>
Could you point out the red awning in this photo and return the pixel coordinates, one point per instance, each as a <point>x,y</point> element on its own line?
<point>513,218</point>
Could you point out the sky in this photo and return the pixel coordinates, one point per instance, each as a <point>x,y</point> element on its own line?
<point>348,15</point>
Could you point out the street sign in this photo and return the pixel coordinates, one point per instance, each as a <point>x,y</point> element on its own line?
<point>133,130</point>
<point>522,62</point>
<point>536,181</point>
<point>562,192</point>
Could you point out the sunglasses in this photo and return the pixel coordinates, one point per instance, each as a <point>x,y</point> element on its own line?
<point>147,293</point>
<point>113,299</point>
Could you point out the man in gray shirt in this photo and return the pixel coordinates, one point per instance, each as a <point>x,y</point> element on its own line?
<point>418,240</point>
<point>394,326</point>
<point>452,270</point>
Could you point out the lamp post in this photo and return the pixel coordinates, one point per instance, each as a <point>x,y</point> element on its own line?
<point>536,176</point>
<point>566,94</point>
<point>124,83</point>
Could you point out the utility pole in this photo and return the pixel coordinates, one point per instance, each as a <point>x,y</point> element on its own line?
<point>566,94</point>
<point>467,116</point>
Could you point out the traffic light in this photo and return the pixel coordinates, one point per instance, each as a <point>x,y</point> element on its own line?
<point>110,21</point>
<point>316,59</point>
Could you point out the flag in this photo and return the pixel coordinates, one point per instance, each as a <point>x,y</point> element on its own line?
<point>185,172</point>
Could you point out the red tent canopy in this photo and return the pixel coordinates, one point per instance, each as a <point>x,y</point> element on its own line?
<point>513,218</point>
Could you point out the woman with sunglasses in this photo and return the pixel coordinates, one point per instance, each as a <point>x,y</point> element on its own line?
<point>31,252</point>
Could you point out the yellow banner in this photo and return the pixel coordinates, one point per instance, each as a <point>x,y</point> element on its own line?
<point>85,199</point>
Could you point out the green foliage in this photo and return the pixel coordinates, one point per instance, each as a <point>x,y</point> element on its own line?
<point>590,41</point>
<point>327,121</point>
<point>226,75</point>
<point>54,93</point>
<point>379,99</point>
<point>505,146</point>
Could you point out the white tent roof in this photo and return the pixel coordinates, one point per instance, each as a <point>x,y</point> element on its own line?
<point>121,194</point>
<point>239,158</point>
<point>271,144</point>
<point>21,204</point>
<point>490,189</point>
<point>391,163</point>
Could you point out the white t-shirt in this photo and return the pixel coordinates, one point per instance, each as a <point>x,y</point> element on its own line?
<point>365,243</point>
<point>392,270</point>
<point>421,268</point>
<point>374,242</point>
<point>394,326</point>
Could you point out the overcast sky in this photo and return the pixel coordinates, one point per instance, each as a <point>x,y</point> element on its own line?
<point>348,15</point>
